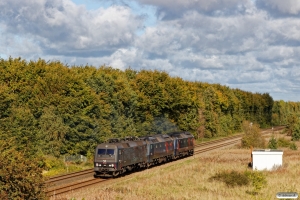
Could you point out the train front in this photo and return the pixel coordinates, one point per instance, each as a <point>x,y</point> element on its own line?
<point>105,160</point>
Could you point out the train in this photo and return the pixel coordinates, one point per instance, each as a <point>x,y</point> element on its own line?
<point>119,156</point>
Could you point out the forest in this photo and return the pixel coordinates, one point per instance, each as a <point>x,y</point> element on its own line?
<point>52,108</point>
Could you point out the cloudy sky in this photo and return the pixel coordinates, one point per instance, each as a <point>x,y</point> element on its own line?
<point>253,45</point>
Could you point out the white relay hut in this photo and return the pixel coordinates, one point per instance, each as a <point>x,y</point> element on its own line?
<point>266,159</point>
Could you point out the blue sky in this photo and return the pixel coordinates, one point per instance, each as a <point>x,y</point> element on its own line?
<point>245,44</point>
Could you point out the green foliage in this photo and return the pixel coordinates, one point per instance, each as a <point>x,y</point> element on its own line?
<point>55,109</point>
<point>233,178</point>
<point>20,174</point>
<point>258,180</point>
<point>272,143</point>
<point>281,142</point>
<point>291,126</point>
<point>296,131</point>
<point>252,136</point>
<point>293,146</point>
<point>285,113</point>
<point>53,163</point>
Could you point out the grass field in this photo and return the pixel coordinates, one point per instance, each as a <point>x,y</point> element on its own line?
<point>190,179</point>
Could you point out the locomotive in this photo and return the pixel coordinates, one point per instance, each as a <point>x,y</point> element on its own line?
<point>118,156</point>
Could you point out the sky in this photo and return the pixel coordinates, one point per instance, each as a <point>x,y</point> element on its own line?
<point>253,45</point>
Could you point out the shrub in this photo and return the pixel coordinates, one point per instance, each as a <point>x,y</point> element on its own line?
<point>234,178</point>
<point>296,132</point>
<point>258,180</point>
<point>54,163</point>
<point>286,143</point>
<point>281,142</point>
<point>231,179</point>
<point>20,174</point>
<point>272,143</point>
<point>293,146</point>
<point>253,136</point>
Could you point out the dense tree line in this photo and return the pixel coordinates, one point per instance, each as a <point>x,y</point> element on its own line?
<point>288,114</point>
<point>56,109</point>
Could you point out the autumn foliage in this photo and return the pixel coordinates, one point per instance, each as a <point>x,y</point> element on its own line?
<point>20,173</point>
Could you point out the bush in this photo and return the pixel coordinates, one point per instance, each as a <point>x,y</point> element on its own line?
<point>231,179</point>
<point>258,180</point>
<point>283,142</point>
<point>21,174</point>
<point>234,178</point>
<point>272,143</point>
<point>293,146</point>
<point>54,163</point>
<point>296,132</point>
<point>253,136</point>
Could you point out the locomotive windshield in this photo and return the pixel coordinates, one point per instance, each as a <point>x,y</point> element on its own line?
<point>106,152</point>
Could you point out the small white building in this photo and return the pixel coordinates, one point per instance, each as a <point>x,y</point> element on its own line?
<point>266,159</point>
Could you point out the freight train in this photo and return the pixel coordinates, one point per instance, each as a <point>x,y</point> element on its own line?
<point>118,156</point>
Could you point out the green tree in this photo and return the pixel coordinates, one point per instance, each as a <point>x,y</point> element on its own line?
<point>296,131</point>
<point>273,143</point>
<point>252,136</point>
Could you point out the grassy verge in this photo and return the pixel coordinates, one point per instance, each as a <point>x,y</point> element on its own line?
<point>191,179</point>
<point>59,167</point>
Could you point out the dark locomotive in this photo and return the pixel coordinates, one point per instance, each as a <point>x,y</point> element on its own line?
<point>118,156</point>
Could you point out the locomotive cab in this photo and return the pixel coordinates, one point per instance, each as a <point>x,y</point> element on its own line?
<point>105,160</point>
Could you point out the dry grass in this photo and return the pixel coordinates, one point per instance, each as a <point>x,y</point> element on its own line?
<point>189,179</point>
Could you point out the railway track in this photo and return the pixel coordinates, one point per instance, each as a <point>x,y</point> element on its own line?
<point>217,146</point>
<point>75,185</point>
<point>68,176</point>
<point>217,141</point>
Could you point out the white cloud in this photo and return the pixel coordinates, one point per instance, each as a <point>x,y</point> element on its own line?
<point>62,27</point>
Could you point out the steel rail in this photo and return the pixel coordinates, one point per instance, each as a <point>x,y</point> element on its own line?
<point>217,146</point>
<point>67,176</point>
<point>72,187</point>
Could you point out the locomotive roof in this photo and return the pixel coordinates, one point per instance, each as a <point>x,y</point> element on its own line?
<point>118,140</point>
<point>149,138</point>
<point>121,143</point>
